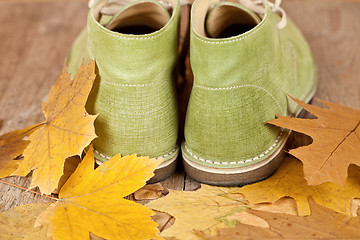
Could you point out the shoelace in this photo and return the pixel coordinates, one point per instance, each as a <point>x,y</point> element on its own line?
<point>254,5</point>
<point>257,7</point>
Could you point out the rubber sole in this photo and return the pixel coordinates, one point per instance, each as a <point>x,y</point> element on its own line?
<point>164,170</point>
<point>247,174</point>
<point>237,176</point>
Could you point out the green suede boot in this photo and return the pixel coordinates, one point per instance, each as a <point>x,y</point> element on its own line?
<point>136,48</point>
<point>246,58</point>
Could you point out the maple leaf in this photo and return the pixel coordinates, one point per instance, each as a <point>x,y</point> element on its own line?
<point>92,201</point>
<point>18,222</point>
<point>12,145</point>
<point>322,223</point>
<point>289,181</point>
<point>68,129</point>
<point>196,209</point>
<point>336,141</point>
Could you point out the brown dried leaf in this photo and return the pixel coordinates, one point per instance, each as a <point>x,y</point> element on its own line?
<point>336,141</point>
<point>322,223</point>
<point>284,205</point>
<point>150,191</point>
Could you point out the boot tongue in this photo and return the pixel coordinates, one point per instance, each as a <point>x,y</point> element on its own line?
<point>229,19</point>
<point>139,18</point>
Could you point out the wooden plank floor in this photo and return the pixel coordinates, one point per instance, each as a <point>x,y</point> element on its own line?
<point>35,36</point>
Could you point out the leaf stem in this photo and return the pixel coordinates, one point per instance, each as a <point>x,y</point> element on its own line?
<point>29,190</point>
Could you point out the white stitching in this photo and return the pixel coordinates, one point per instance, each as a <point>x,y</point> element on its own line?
<point>241,86</point>
<point>130,85</point>
<point>239,162</point>
<point>164,156</point>
<point>257,157</point>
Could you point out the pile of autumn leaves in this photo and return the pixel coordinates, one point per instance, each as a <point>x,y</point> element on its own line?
<point>301,200</point>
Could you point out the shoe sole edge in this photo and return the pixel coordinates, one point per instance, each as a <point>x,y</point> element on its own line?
<point>237,176</point>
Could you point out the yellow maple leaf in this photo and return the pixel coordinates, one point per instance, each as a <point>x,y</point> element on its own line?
<point>92,201</point>
<point>289,181</point>
<point>68,129</point>
<point>12,145</point>
<point>196,209</point>
<point>336,141</point>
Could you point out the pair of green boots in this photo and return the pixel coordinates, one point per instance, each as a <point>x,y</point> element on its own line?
<point>246,57</point>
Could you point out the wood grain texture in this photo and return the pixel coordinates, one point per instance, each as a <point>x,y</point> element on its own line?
<point>333,32</point>
<point>36,34</point>
<point>34,40</point>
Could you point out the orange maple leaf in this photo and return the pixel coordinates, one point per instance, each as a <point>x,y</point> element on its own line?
<point>68,129</point>
<point>336,141</point>
<point>12,145</point>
